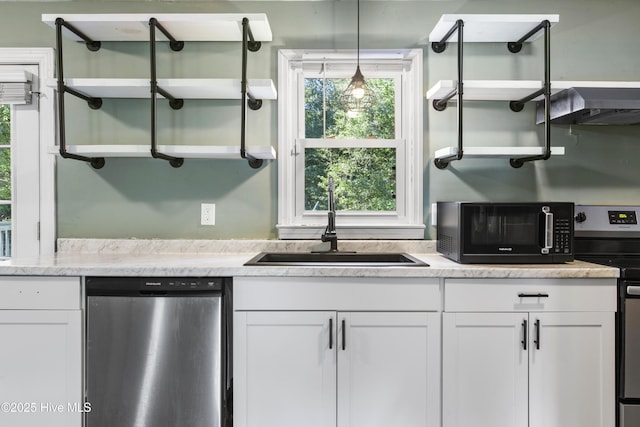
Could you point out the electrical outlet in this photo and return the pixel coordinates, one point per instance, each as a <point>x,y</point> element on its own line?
<point>207,214</point>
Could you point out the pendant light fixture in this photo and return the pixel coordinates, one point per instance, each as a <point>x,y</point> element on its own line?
<point>358,96</point>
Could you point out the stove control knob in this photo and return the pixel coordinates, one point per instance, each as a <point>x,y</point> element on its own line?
<point>581,217</point>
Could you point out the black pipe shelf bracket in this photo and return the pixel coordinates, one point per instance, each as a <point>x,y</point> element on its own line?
<point>174,103</point>
<point>248,45</point>
<point>118,30</point>
<point>516,106</point>
<point>94,103</point>
<point>441,104</point>
<point>515,47</point>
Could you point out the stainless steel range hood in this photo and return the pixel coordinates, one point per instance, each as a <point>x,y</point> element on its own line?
<point>593,106</point>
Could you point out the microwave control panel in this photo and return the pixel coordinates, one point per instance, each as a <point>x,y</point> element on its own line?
<point>562,236</point>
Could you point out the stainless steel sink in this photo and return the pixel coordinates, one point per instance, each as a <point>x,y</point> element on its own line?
<point>360,259</point>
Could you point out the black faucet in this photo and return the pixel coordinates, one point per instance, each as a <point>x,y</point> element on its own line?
<point>329,234</point>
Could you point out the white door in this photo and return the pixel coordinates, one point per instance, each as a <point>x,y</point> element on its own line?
<point>27,210</point>
<point>485,369</point>
<point>572,374</point>
<point>285,369</point>
<point>40,368</point>
<point>19,173</point>
<point>388,369</point>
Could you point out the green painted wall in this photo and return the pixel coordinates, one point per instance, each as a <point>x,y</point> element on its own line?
<point>146,198</point>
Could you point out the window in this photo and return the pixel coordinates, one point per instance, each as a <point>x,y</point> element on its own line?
<point>27,225</point>
<point>5,181</point>
<point>363,161</point>
<point>374,156</point>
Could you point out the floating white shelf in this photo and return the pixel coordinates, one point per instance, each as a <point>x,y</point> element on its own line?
<point>182,26</point>
<point>185,151</point>
<point>513,29</point>
<point>490,28</point>
<point>512,90</point>
<point>497,152</point>
<point>486,90</point>
<point>178,88</point>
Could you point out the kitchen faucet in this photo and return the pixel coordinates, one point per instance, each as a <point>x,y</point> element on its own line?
<point>329,234</point>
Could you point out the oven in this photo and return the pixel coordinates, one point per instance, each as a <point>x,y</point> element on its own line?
<point>610,235</point>
<point>629,405</point>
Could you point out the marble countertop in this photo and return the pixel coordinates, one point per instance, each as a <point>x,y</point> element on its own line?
<point>137,258</point>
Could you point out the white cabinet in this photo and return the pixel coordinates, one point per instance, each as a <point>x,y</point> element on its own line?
<point>510,359</point>
<point>299,368</point>
<point>575,358</point>
<point>285,372</point>
<point>484,370</point>
<point>41,353</point>
<point>388,370</point>
<point>336,367</point>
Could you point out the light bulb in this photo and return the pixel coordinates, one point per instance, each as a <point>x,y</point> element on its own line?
<point>358,92</point>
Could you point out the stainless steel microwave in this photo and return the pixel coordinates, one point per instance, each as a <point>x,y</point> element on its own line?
<point>482,232</point>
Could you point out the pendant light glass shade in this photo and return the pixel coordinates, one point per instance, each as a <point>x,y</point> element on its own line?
<point>358,96</point>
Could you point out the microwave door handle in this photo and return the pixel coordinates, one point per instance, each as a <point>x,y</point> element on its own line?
<point>548,229</point>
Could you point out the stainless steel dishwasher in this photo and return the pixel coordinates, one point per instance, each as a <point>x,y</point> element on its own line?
<point>158,352</point>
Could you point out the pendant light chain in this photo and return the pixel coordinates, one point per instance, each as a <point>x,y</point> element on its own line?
<point>358,35</point>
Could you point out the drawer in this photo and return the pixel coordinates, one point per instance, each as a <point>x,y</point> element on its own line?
<point>512,295</point>
<point>39,293</point>
<point>336,293</point>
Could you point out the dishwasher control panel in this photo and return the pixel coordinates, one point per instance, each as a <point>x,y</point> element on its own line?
<point>153,285</point>
<point>181,284</point>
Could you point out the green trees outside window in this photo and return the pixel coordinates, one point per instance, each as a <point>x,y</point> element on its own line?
<point>365,177</point>
<point>5,162</point>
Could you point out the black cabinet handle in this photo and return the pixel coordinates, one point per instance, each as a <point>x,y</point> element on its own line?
<point>524,334</point>
<point>538,295</point>
<point>344,334</point>
<point>537,339</point>
<point>331,333</point>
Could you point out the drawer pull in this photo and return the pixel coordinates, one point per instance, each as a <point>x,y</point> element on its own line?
<point>538,295</point>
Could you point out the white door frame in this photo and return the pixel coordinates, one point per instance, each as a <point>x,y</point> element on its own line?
<point>44,58</point>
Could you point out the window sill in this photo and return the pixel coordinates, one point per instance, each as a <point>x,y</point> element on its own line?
<point>404,231</point>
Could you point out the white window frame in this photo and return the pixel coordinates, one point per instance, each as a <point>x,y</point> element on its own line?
<point>33,177</point>
<point>406,222</point>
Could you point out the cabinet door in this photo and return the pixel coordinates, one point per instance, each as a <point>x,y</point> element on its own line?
<point>388,369</point>
<point>284,369</point>
<point>572,373</point>
<point>40,368</point>
<point>485,370</point>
